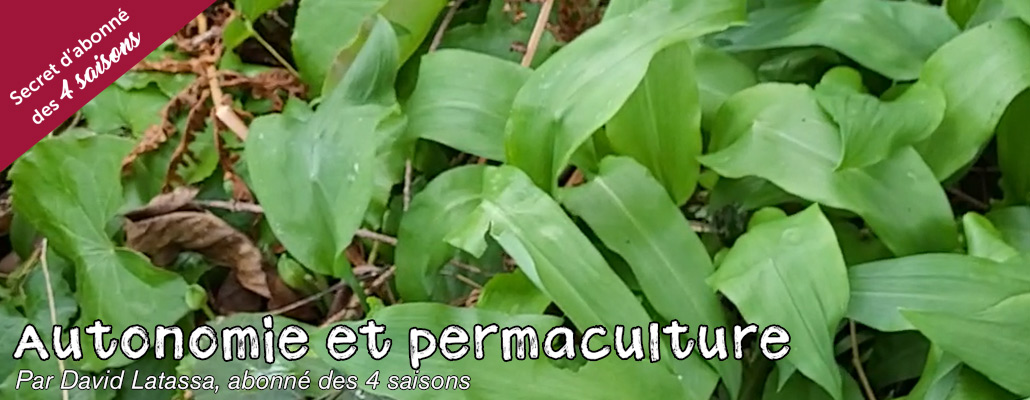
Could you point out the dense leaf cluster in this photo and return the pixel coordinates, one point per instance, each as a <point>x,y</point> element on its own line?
<point>799,163</point>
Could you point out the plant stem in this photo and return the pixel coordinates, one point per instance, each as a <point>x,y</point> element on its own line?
<point>272,51</point>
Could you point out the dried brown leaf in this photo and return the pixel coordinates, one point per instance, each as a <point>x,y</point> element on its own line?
<point>176,200</point>
<point>166,235</point>
<point>232,298</point>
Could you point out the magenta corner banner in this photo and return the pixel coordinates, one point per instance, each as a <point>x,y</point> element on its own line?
<point>58,55</point>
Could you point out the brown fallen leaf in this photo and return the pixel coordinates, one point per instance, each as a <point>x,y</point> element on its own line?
<point>231,298</point>
<point>176,200</point>
<point>164,236</point>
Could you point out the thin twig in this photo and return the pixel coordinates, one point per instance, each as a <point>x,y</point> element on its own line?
<point>467,267</point>
<point>538,32</point>
<point>464,279</point>
<point>232,121</point>
<point>271,50</point>
<point>379,237</point>
<point>309,299</point>
<point>444,24</point>
<point>856,360</point>
<point>407,184</point>
<point>234,206</point>
<point>975,202</point>
<point>50,301</point>
<point>381,279</point>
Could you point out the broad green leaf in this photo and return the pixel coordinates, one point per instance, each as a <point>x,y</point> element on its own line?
<point>116,109</point>
<point>778,132</point>
<point>323,29</point>
<point>961,10</point>
<point>938,378</point>
<point>892,38</point>
<point>235,32</point>
<point>929,282</point>
<point>872,130</point>
<point>421,249</point>
<point>989,10</point>
<point>631,213</point>
<point>972,385</point>
<point>254,9</point>
<point>69,189</point>
<point>1020,8</point>
<point>984,240</point>
<point>462,100</point>
<point>977,94</point>
<point>791,273</point>
<point>1014,225</point>
<point>719,76</point>
<point>1013,145</point>
<point>562,262</point>
<point>512,293</point>
<point>659,125</point>
<point>582,86</point>
<point>991,341</point>
<point>499,33</point>
<point>798,387</point>
<point>412,20</point>
<point>492,377</point>
<point>322,165</point>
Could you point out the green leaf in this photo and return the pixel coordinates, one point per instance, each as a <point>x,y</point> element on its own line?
<point>235,32</point>
<point>412,20</point>
<point>323,29</point>
<point>791,273</point>
<point>324,167</point>
<point>421,249</point>
<point>778,132</point>
<point>940,373</point>
<point>929,282</point>
<point>972,385</point>
<point>659,125</point>
<point>582,86</point>
<point>799,387</point>
<point>512,293</point>
<point>873,130</point>
<point>892,38</point>
<point>69,189</point>
<point>895,358</point>
<point>629,210</point>
<point>1013,145</point>
<point>984,240</point>
<point>977,94</point>
<point>961,10</point>
<point>254,9</point>
<point>1014,225</point>
<point>525,221</point>
<point>1020,8</point>
<point>115,109</point>
<point>462,100</point>
<point>992,341</point>
<point>719,76</point>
